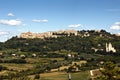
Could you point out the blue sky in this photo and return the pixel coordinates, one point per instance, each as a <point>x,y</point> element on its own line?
<point>17,16</point>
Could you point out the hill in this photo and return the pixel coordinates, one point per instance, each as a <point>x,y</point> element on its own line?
<point>89,41</point>
<point>29,57</point>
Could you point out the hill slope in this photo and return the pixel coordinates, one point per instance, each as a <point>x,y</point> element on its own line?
<point>84,42</point>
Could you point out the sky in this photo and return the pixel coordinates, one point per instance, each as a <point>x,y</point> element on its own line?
<point>17,16</point>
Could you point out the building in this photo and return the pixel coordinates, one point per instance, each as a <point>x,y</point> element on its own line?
<point>110,48</point>
<point>94,73</point>
<point>53,34</point>
<point>117,34</point>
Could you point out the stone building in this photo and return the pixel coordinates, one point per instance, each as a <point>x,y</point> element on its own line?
<point>110,48</point>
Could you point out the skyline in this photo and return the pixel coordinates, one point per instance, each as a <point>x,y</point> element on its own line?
<point>52,15</point>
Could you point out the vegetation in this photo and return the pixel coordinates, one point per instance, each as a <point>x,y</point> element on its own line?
<point>25,59</point>
<point>37,76</point>
<point>72,43</point>
<point>110,72</point>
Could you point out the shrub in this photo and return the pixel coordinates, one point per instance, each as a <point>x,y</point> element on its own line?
<point>18,61</point>
<point>37,76</point>
<point>2,68</point>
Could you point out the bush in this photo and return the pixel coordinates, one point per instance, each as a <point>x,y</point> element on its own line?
<point>37,76</point>
<point>2,68</point>
<point>18,61</point>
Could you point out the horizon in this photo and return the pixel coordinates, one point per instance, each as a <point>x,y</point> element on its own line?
<point>53,15</point>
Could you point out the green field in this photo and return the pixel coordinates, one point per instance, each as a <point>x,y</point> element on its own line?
<point>64,76</point>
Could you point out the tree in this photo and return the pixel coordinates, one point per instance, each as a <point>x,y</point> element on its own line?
<point>48,68</point>
<point>2,68</point>
<point>37,76</point>
<point>71,69</point>
<point>109,72</point>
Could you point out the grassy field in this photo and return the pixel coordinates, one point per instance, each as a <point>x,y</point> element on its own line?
<point>31,62</point>
<point>64,76</point>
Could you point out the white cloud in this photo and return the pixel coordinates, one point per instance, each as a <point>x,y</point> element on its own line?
<point>116,26</point>
<point>3,33</point>
<point>36,20</point>
<point>11,22</point>
<point>74,25</point>
<point>10,14</point>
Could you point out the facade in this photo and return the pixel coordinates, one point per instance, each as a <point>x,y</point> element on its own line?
<point>110,48</point>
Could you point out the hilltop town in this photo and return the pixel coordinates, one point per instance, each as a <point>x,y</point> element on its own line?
<point>54,34</point>
<point>60,33</point>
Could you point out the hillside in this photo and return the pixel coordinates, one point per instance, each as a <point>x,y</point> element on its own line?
<point>29,58</point>
<point>90,41</point>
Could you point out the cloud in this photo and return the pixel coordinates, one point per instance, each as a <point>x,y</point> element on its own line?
<point>36,20</point>
<point>11,22</point>
<point>74,26</point>
<point>3,33</point>
<point>10,14</point>
<point>116,26</point>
